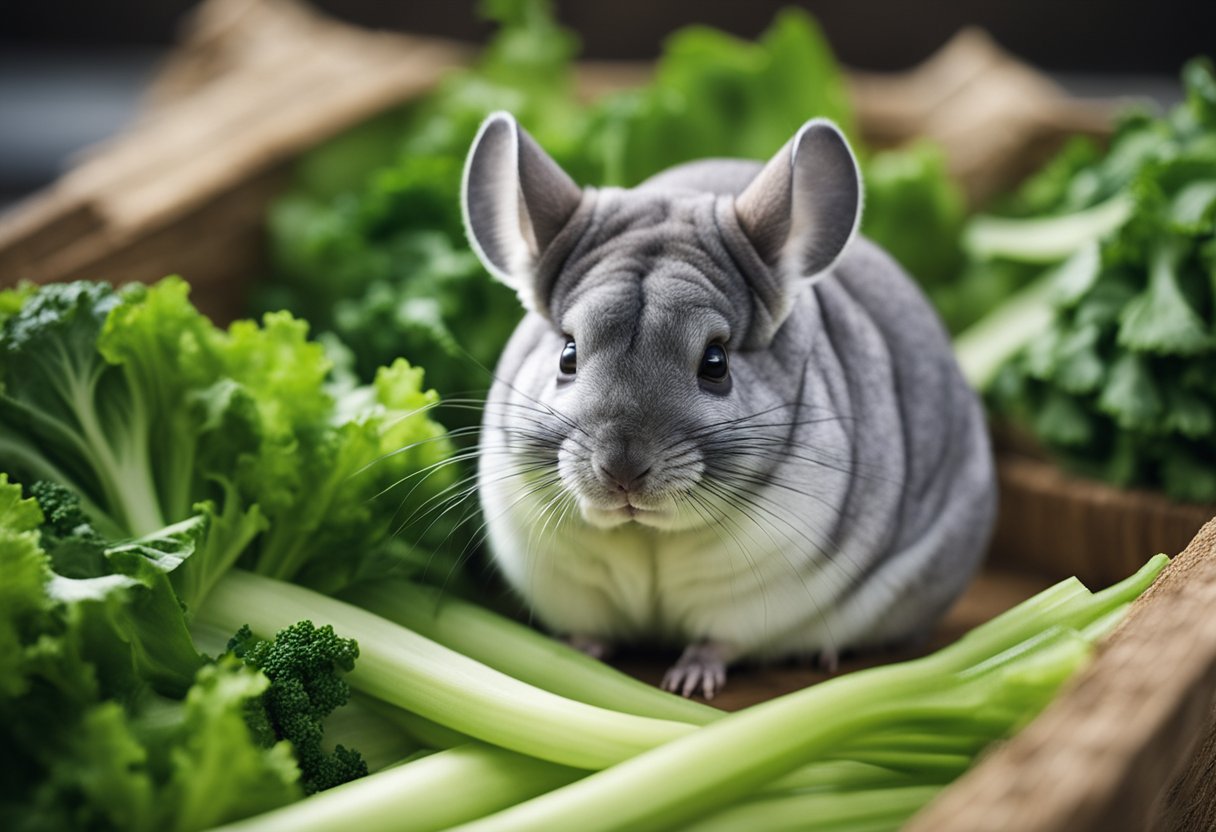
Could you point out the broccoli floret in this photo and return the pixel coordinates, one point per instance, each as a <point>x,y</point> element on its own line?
<point>75,547</point>
<point>305,665</point>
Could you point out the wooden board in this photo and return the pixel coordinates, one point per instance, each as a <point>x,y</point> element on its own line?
<point>1129,745</point>
<point>185,190</point>
<point>1060,525</point>
<point>256,82</point>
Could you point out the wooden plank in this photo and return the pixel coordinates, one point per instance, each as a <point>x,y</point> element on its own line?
<point>996,118</point>
<point>1062,525</point>
<point>1128,745</point>
<point>281,79</point>
<point>256,82</point>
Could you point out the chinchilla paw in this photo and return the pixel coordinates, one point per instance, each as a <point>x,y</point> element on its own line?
<point>701,669</point>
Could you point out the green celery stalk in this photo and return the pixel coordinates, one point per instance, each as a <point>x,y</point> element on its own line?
<point>1067,604</point>
<point>432,793</point>
<point>913,762</point>
<point>953,743</point>
<point>847,775</point>
<point>378,739</point>
<point>1045,239</point>
<point>520,651</point>
<point>737,755</point>
<point>918,724</point>
<point>885,809</point>
<point>423,731</point>
<point>986,345</point>
<point>414,673</point>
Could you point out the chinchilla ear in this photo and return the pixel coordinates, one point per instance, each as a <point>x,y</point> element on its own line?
<point>515,200</point>
<point>803,208</point>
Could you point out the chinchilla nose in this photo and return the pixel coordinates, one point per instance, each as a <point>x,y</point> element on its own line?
<point>622,472</point>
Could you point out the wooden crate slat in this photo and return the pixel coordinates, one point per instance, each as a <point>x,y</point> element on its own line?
<point>1061,525</point>
<point>1113,745</point>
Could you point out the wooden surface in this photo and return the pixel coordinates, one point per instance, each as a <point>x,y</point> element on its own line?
<point>997,118</point>
<point>185,190</point>
<point>256,82</point>
<point>1061,525</point>
<point>1129,744</point>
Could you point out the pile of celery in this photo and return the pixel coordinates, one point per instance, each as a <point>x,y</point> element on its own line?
<point>528,735</point>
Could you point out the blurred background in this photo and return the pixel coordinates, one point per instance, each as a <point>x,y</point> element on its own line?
<point>71,73</point>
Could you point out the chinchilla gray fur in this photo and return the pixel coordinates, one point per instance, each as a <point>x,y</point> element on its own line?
<point>727,423</point>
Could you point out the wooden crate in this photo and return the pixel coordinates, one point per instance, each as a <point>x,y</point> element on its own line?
<point>1130,745</point>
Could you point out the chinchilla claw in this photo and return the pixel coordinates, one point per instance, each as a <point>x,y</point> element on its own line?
<point>700,670</point>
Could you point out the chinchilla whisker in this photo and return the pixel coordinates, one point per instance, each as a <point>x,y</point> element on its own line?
<point>467,487</point>
<point>474,540</point>
<point>724,471</point>
<point>688,468</point>
<point>496,378</point>
<point>432,469</point>
<point>730,496</point>
<point>454,493</point>
<point>779,452</point>
<point>546,515</point>
<point>737,473</point>
<point>751,448</point>
<point>767,505</point>
<point>736,495</point>
<point>697,504</point>
<point>479,534</point>
<point>514,409</point>
<point>686,430</point>
<point>420,512</point>
<point>715,520</point>
<point>827,547</point>
<point>407,448</point>
<point>426,471</point>
<point>747,422</point>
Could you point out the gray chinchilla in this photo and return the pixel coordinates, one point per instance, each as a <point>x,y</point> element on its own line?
<point>726,423</point>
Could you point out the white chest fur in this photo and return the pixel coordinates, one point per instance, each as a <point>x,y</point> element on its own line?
<point>756,582</point>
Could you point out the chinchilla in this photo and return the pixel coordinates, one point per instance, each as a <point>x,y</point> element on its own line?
<point>727,422</point>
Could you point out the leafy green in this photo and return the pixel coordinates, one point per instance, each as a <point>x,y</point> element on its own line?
<point>109,718</point>
<point>1160,320</point>
<point>1113,371</point>
<point>716,95</point>
<point>916,212</point>
<point>161,424</point>
<point>369,246</point>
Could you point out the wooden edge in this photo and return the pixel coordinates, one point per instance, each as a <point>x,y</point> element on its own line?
<point>1059,524</point>
<point>255,82</point>
<point>1122,744</point>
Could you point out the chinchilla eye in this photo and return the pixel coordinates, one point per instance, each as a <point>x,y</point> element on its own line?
<point>714,366</point>
<point>568,363</point>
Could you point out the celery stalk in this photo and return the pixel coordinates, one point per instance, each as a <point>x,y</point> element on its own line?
<point>414,673</point>
<point>986,345</point>
<point>735,756</point>
<point>1067,604</point>
<point>433,793</point>
<point>1045,239</point>
<point>990,682</point>
<point>521,652</point>
<point>869,809</point>
<point>845,775</point>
